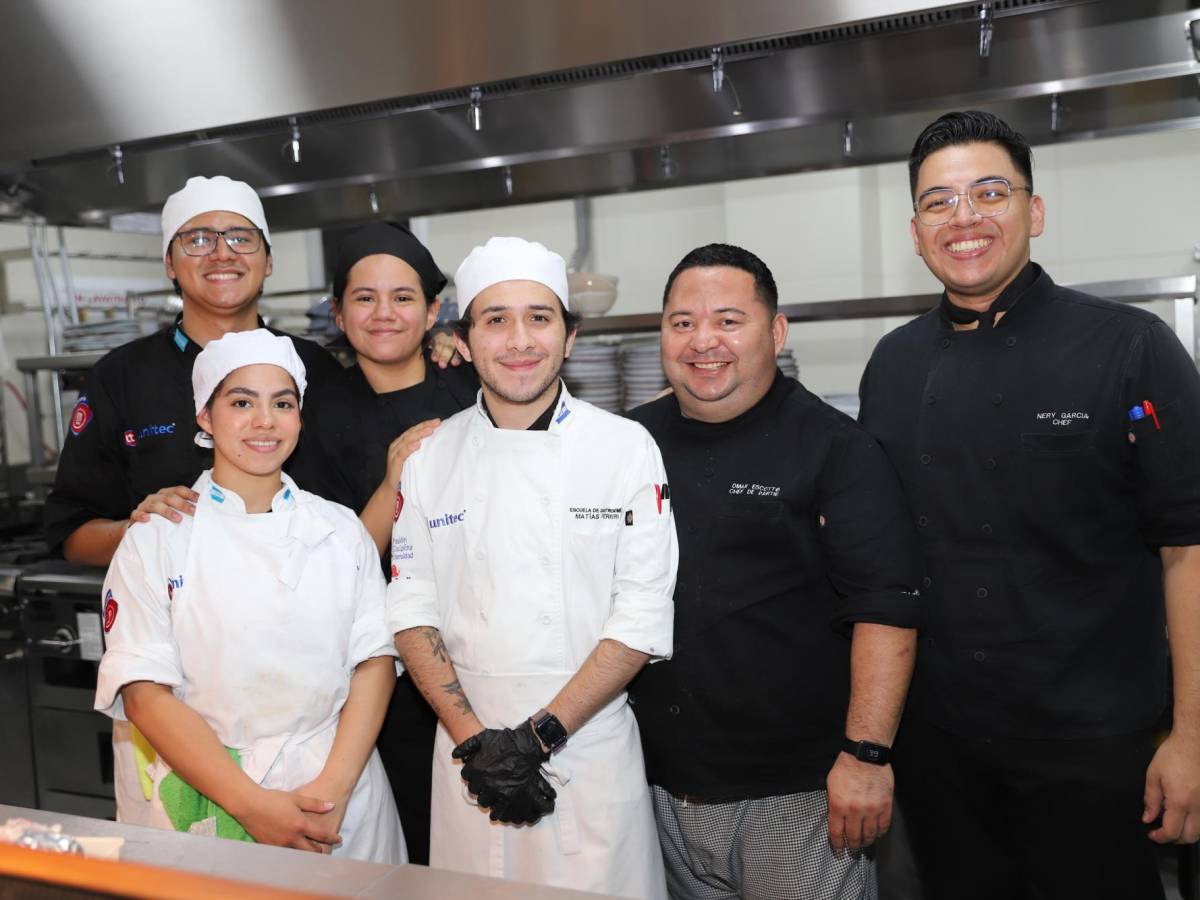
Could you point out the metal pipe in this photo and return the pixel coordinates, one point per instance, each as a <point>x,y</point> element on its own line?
<point>1185,324</point>
<point>41,271</point>
<point>68,281</point>
<point>583,235</point>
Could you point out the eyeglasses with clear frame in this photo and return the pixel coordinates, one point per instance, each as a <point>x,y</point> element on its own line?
<point>988,198</point>
<point>203,241</point>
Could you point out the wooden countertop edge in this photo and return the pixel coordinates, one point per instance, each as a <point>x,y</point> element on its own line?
<point>128,879</point>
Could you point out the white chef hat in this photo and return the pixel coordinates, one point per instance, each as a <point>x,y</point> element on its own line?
<point>237,349</point>
<point>509,259</point>
<point>201,195</point>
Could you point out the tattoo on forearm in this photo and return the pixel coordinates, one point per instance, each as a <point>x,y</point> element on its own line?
<point>436,645</point>
<point>461,701</point>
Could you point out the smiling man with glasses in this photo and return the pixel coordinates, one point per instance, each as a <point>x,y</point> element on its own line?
<point>129,451</point>
<point>1049,445</point>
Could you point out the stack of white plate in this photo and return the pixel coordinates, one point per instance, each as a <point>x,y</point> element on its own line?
<point>592,373</point>
<point>103,334</point>
<point>641,372</point>
<point>787,364</point>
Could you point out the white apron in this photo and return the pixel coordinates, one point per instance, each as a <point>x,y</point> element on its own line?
<point>264,623</point>
<point>528,544</point>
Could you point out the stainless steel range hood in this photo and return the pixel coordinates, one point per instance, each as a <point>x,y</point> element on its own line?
<point>573,98</point>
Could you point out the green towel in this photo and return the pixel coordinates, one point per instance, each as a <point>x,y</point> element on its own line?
<point>185,806</point>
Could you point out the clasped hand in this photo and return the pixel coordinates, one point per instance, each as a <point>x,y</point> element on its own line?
<point>502,768</point>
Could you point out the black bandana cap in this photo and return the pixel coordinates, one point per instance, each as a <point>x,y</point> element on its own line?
<point>392,239</point>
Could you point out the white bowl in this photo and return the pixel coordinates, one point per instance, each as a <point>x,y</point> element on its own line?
<point>592,294</point>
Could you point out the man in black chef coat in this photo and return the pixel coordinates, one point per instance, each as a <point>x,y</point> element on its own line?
<point>1049,445</point>
<point>766,735</point>
<point>129,451</point>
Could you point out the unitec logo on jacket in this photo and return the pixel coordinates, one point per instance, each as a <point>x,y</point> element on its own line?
<point>448,519</point>
<point>132,437</point>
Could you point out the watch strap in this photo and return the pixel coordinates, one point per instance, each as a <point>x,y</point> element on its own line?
<point>549,729</point>
<point>865,751</point>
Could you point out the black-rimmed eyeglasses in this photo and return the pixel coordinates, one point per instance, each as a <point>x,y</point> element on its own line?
<point>987,198</point>
<point>203,241</point>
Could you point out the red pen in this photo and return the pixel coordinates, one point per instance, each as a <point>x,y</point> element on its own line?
<point>1149,408</point>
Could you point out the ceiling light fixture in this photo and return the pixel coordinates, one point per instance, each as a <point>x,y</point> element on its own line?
<point>666,162</point>
<point>718,69</point>
<point>475,111</point>
<point>985,31</point>
<point>292,146</point>
<point>117,167</point>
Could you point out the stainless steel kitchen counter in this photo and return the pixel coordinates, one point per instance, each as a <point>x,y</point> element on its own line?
<point>290,869</point>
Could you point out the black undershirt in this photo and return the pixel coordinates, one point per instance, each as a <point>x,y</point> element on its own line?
<point>542,422</point>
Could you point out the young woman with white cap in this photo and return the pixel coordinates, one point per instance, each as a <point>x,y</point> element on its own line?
<point>385,299</point>
<point>247,642</point>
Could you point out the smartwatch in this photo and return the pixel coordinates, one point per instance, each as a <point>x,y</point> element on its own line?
<point>549,730</point>
<point>865,751</point>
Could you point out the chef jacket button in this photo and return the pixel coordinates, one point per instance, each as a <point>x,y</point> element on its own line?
<point>476,441</point>
<point>1010,341</point>
<point>989,463</point>
<point>546,620</point>
<point>926,582</point>
<point>923,521</point>
<point>997,398</point>
<point>692,529</point>
<point>673,709</point>
<point>945,343</point>
<point>986,528</point>
<point>545,501</point>
<point>979,655</point>
<point>926,459</point>
<point>483,615</point>
<point>546,561</point>
<point>981,593</point>
<point>930,399</point>
<point>479,554</point>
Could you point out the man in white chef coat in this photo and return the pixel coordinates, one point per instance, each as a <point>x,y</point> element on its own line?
<point>533,565</point>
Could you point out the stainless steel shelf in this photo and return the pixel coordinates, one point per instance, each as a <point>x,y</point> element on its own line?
<point>1134,290</point>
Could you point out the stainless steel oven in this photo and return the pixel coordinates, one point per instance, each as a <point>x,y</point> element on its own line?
<point>72,744</point>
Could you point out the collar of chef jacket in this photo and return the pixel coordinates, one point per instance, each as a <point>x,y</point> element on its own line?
<point>551,420</point>
<point>304,529</point>
<point>1014,291</point>
<point>228,501</point>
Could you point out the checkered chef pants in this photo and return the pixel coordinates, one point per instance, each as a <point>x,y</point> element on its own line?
<point>774,848</point>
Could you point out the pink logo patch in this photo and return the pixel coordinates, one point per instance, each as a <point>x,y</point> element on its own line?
<point>110,612</point>
<point>80,416</point>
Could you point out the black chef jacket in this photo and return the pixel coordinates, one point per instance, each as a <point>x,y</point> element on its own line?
<point>346,460</point>
<point>1041,505</point>
<point>131,433</point>
<point>753,702</point>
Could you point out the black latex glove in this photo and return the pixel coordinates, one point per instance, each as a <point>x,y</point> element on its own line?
<point>502,768</point>
<point>528,804</point>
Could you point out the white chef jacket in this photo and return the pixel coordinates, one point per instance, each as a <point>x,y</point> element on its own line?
<point>526,548</point>
<point>257,623</point>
